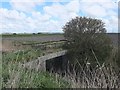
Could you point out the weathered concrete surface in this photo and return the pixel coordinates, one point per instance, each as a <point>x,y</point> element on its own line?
<point>40,63</point>
<point>57,65</point>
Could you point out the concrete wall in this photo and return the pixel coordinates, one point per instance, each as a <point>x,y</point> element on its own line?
<point>40,63</point>
<point>58,64</point>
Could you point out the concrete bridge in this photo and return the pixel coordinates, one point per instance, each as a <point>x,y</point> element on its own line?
<point>43,63</point>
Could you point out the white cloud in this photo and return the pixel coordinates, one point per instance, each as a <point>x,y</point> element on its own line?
<point>12,14</point>
<point>40,17</point>
<point>26,5</point>
<point>63,12</point>
<point>55,10</point>
<point>14,21</point>
<point>102,9</point>
<point>113,24</point>
<point>55,15</point>
<point>73,6</point>
<point>95,11</point>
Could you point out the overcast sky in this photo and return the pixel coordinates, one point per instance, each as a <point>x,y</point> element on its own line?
<point>19,16</point>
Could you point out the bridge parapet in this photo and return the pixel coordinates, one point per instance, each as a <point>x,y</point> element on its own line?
<point>40,62</point>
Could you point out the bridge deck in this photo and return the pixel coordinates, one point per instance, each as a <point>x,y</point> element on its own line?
<point>40,63</point>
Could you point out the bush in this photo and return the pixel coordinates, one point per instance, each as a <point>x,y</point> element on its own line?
<point>39,33</point>
<point>14,33</point>
<point>87,41</point>
<point>34,33</point>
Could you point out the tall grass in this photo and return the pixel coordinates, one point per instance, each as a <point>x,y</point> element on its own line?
<point>102,76</point>
<point>106,75</point>
<point>14,75</point>
<point>18,77</point>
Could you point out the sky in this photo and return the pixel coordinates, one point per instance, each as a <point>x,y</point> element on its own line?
<point>32,16</point>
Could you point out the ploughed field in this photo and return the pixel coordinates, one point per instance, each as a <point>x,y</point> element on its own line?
<point>18,42</point>
<point>49,37</point>
<point>14,42</point>
<point>36,38</point>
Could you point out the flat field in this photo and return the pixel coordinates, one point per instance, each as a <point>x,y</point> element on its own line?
<point>14,42</point>
<point>19,49</point>
<point>40,38</point>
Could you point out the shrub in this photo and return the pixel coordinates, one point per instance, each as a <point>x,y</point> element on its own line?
<point>14,33</point>
<point>34,33</point>
<point>39,33</point>
<point>86,41</point>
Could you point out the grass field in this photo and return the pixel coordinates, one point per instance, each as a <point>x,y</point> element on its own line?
<point>18,49</point>
<point>15,76</point>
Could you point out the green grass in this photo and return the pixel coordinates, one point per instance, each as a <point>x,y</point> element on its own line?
<point>31,51</point>
<point>21,55</point>
<point>41,80</point>
<point>13,75</point>
<point>26,55</point>
<point>18,77</point>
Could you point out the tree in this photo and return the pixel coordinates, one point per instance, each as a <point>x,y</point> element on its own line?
<point>14,33</point>
<point>86,41</point>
